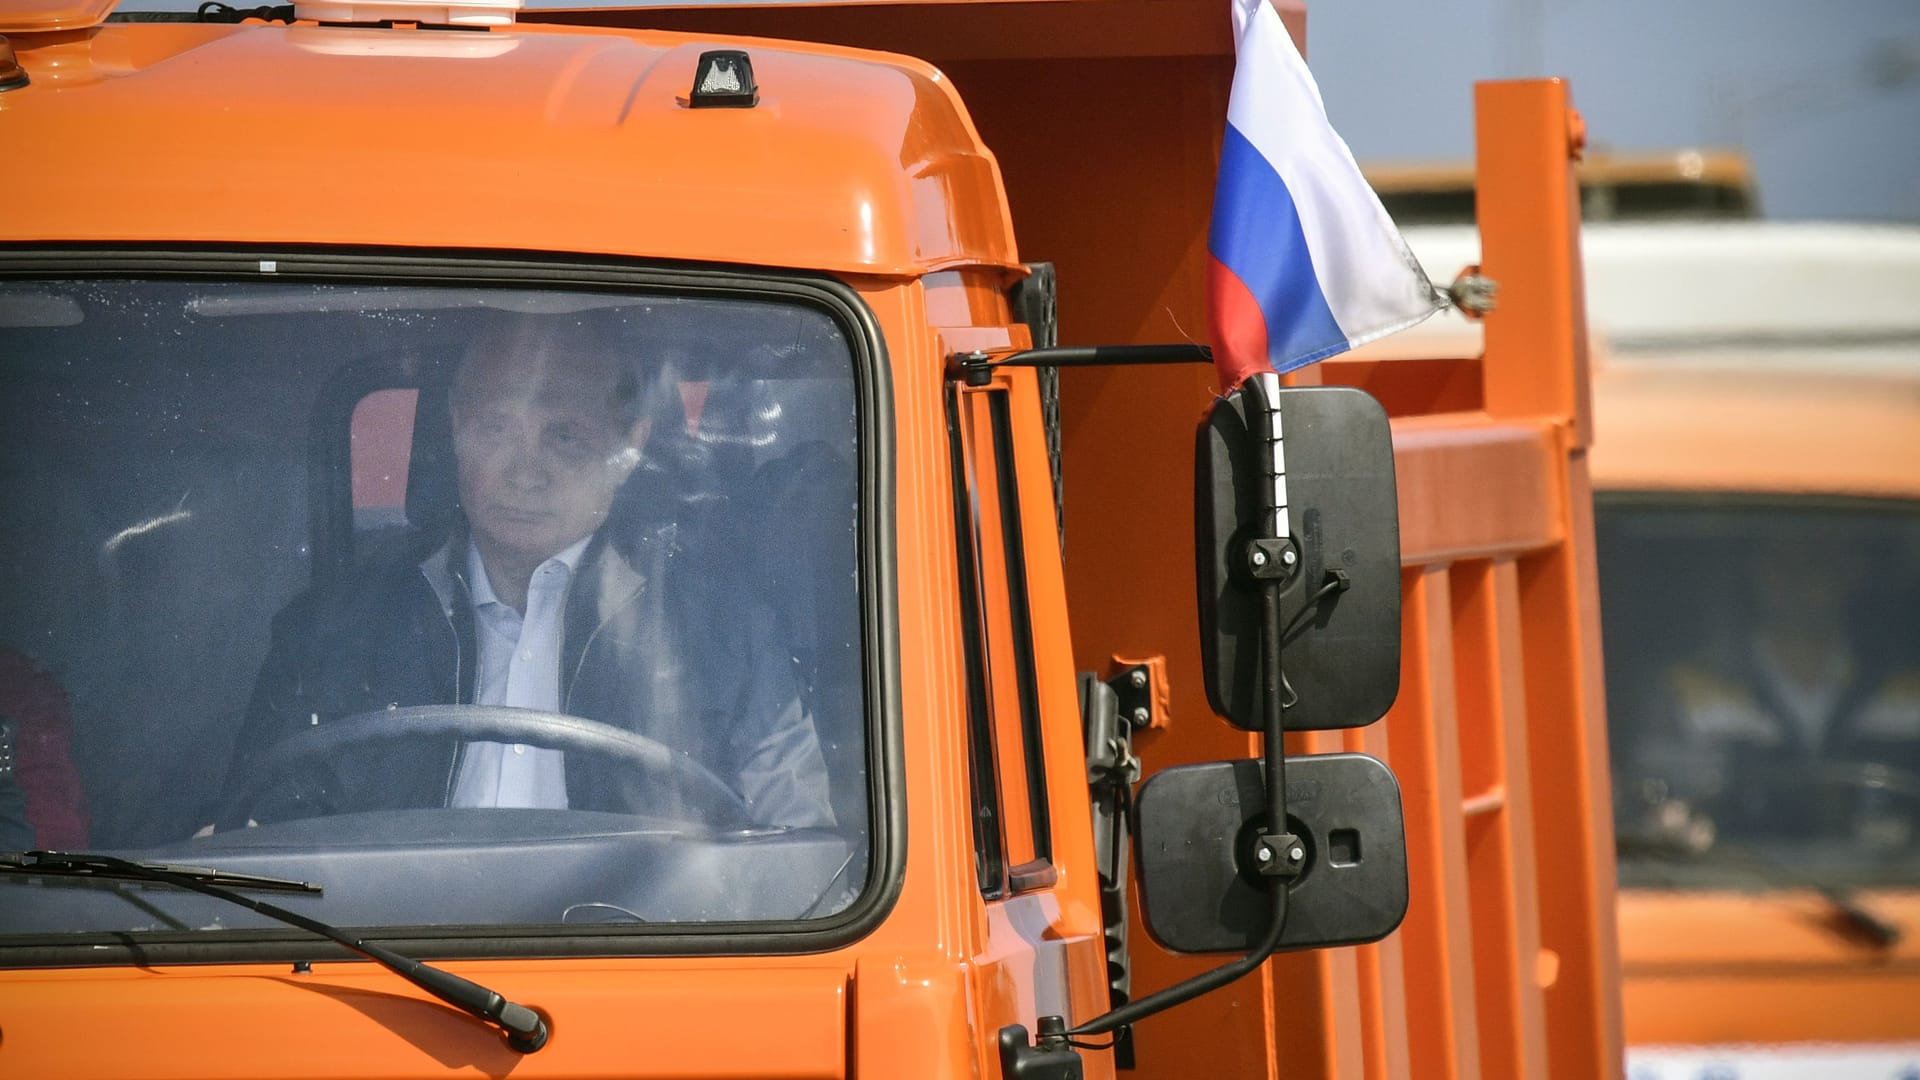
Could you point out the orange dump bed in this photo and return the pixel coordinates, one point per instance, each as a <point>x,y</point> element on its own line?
<point>1505,965</point>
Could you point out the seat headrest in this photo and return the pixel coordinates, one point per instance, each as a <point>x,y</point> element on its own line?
<point>433,476</point>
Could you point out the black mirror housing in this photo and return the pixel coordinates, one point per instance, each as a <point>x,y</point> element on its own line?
<point>1196,829</point>
<point>1343,666</point>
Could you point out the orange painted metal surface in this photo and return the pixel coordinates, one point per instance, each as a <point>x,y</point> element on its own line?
<point>1689,426</point>
<point>682,1020</point>
<point>869,168</point>
<point>544,141</point>
<point>1728,967</point>
<point>1506,965</point>
<point>1536,357</point>
<point>37,16</point>
<point>1470,486</point>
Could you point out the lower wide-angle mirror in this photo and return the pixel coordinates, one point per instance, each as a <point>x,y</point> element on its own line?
<point>1195,838</point>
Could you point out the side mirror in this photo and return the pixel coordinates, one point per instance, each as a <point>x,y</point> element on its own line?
<point>1297,523</point>
<point>1343,667</point>
<point>1199,891</point>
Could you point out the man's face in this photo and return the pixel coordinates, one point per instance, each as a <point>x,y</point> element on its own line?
<point>542,448</point>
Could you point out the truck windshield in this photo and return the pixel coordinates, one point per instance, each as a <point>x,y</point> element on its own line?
<point>1763,690</point>
<point>474,606</point>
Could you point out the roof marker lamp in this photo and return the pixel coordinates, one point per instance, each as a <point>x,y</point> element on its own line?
<point>12,75</point>
<point>724,80</point>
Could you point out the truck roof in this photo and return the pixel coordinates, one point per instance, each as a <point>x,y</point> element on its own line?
<point>1760,287</point>
<point>521,139</point>
<point>1737,357</point>
<point>1686,184</point>
<point>1719,428</point>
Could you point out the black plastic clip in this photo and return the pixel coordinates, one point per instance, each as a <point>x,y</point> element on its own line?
<point>1279,855</point>
<point>1049,1057</point>
<point>976,368</point>
<point>1271,559</point>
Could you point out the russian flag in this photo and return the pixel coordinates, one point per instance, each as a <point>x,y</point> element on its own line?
<point>1304,261</point>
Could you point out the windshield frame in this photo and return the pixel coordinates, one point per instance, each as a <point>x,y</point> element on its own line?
<point>879,619</point>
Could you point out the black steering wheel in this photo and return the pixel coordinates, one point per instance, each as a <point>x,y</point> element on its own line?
<point>1802,799</point>
<point>712,800</point>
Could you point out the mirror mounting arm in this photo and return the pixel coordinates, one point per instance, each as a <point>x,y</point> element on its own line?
<point>1272,560</point>
<point>1283,844</point>
<point>976,368</point>
<point>1285,854</point>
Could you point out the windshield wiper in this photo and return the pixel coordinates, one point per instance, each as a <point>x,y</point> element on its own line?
<point>524,1028</point>
<point>1854,917</point>
<point>109,868</point>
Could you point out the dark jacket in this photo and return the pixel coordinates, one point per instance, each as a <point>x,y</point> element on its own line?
<point>649,645</point>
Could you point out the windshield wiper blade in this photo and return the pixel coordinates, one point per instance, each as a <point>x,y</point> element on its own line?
<point>1876,931</point>
<point>109,868</point>
<point>526,1031</point>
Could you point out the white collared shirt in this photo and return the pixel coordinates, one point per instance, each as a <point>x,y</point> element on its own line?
<point>1809,706</point>
<point>519,666</point>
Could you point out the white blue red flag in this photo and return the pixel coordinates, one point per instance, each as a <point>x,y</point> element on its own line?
<point>1304,261</point>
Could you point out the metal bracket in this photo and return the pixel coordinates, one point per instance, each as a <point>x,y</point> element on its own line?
<point>1473,293</point>
<point>1113,708</point>
<point>1140,685</point>
<point>1133,686</point>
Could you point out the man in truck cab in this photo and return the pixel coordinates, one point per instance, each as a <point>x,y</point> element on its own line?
<point>1800,717</point>
<point>555,590</point>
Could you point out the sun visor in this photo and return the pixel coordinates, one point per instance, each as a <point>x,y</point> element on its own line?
<point>43,16</point>
<point>424,12</point>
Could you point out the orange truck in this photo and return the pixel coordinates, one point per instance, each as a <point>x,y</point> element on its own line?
<point>1756,476</point>
<point>1773,414</point>
<point>316,321</point>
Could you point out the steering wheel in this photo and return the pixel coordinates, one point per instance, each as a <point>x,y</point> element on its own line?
<point>1801,799</point>
<point>712,800</point>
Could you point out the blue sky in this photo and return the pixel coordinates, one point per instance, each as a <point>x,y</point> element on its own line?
<point>1824,98</point>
